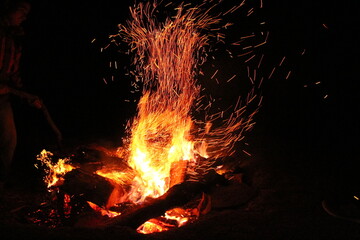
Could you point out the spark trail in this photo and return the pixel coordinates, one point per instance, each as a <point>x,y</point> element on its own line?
<point>167,56</point>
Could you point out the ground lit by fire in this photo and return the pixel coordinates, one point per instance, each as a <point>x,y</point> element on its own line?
<point>165,145</point>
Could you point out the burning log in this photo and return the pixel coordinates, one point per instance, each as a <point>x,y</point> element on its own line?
<point>177,172</point>
<point>176,196</point>
<point>94,157</point>
<point>89,186</point>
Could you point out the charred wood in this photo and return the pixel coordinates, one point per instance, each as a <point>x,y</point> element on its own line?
<point>91,158</point>
<point>176,196</point>
<point>89,186</point>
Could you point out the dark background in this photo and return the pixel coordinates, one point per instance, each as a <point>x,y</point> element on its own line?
<point>316,135</point>
<point>304,147</point>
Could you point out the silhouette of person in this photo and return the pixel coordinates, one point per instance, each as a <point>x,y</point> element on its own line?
<point>13,14</point>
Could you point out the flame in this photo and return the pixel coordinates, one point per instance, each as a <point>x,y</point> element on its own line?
<point>55,171</point>
<point>164,139</point>
<point>166,59</point>
<point>159,139</point>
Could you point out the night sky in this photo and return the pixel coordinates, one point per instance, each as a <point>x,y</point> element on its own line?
<point>319,122</point>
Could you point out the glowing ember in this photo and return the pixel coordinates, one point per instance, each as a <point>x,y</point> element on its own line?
<point>176,218</point>
<point>104,212</point>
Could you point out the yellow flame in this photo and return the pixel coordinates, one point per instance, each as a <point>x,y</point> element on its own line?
<point>160,134</point>
<point>166,58</point>
<point>164,137</point>
<point>158,140</point>
<point>55,171</point>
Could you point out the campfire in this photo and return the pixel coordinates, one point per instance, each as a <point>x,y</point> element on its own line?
<point>177,150</point>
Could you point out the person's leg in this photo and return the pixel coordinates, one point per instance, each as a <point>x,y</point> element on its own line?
<point>8,139</point>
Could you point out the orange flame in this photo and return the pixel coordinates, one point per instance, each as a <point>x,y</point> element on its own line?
<point>55,171</point>
<point>164,137</point>
<point>166,58</point>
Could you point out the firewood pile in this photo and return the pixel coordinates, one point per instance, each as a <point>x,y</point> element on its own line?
<point>83,198</point>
